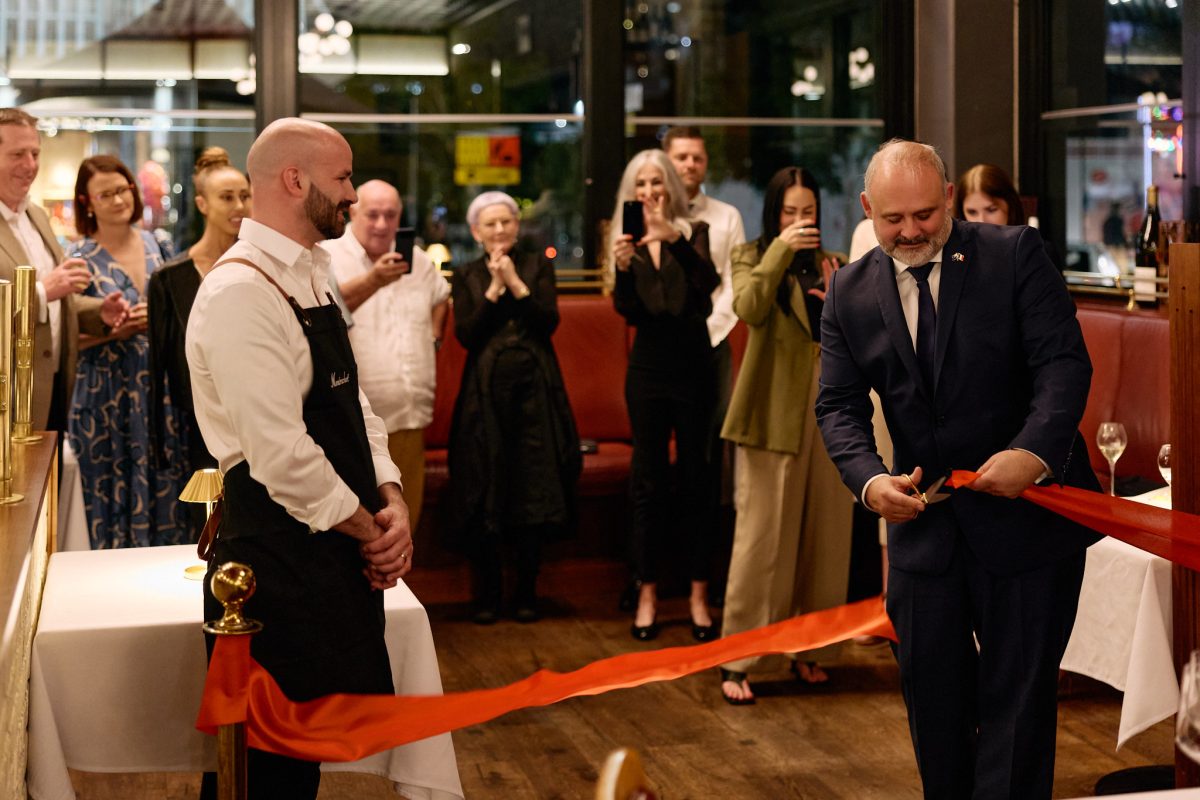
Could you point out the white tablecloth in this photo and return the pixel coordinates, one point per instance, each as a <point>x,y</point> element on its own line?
<point>119,665</point>
<point>1122,633</point>
<point>72,521</point>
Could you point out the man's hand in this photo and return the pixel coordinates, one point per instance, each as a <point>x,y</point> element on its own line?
<point>114,309</point>
<point>70,277</point>
<point>388,268</point>
<point>389,557</point>
<point>891,497</point>
<point>1008,473</point>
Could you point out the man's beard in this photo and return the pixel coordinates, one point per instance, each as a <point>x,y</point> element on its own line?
<point>915,258</point>
<point>328,217</point>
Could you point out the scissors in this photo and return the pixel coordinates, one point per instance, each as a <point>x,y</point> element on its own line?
<point>933,493</point>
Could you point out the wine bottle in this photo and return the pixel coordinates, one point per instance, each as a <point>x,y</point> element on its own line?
<point>1146,260</point>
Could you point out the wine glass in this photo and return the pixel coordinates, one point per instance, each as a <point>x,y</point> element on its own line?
<point>1187,721</point>
<point>1164,463</point>
<point>1111,440</point>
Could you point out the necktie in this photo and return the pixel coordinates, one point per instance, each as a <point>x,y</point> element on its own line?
<point>926,322</point>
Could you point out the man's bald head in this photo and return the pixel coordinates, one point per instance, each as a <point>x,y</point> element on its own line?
<point>301,171</point>
<point>375,218</point>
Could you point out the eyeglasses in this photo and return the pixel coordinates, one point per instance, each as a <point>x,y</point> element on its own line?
<point>111,194</point>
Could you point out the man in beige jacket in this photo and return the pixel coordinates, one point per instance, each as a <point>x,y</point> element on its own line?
<point>26,239</point>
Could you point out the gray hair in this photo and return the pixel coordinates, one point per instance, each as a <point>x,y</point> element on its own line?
<point>904,153</point>
<point>676,209</point>
<point>490,199</point>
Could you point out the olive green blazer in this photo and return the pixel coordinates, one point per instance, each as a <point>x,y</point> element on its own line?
<point>767,409</point>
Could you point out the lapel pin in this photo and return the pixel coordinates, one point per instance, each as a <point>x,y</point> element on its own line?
<point>958,257</point>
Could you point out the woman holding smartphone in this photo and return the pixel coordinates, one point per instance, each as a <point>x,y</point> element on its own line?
<point>663,282</point>
<point>791,543</point>
<point>128,502</point>
<point>514,450</point>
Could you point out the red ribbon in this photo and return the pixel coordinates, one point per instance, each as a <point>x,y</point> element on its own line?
<point>1173,535</point>
<point>347,727</point>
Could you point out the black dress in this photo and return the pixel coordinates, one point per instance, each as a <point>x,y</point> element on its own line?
<point>670,387</point>
<point>169,303</point>
<point>514,450</point>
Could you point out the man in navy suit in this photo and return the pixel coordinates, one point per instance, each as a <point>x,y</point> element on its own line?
<point>980,364</point>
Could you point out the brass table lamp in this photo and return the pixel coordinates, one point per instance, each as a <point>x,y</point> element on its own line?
<point>205,486</point>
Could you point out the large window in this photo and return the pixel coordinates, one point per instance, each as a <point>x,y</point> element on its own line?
<point>150,82</point>
<point>1112,126</point>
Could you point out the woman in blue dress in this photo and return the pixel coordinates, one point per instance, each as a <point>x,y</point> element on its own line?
<point>128,502</point>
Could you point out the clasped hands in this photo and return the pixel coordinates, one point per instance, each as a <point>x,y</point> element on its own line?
<point>504,276</point>
<point>1005,474</point>
<point>658,229</point>
<point>385,538</point>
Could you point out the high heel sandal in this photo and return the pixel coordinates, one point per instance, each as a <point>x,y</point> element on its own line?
<point>739,678</point>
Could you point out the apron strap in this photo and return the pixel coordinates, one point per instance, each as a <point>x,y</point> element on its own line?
<point>301,314</point>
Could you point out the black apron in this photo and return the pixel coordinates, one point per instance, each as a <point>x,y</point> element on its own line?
<point>322,622</point>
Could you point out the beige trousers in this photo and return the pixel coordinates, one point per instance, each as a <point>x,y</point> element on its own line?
<point>407,449</point>
<point>791,543</point>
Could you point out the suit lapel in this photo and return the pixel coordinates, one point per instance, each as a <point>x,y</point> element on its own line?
<point>800,307</point>
<point>893,316</point>
<point>42,223</point>
<point>956,260</point>
<point>9,244</point>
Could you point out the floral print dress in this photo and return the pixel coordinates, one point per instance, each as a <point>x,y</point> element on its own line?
<point>128,502</point>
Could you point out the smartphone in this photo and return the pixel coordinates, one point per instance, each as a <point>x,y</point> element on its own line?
<point>632,220</point>
<point>405,237</point>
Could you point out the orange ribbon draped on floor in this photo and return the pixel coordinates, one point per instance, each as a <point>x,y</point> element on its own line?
<point>347,727</point>
<point>344,727</point>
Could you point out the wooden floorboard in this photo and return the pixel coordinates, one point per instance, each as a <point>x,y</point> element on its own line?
<point>845,739</point>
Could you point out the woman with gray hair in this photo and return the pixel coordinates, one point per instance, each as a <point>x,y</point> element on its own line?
<point>663,284</point>
<point>514,450</point>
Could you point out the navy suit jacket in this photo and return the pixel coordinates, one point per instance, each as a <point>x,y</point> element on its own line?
<point>1011,370</point>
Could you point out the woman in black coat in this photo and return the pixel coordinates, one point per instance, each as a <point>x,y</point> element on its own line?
<point>514,450</point>
<point>223,199</point>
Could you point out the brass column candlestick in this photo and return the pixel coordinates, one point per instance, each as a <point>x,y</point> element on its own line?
<point>7,495</point>
<point>26,319</point>
<point>232,585</point>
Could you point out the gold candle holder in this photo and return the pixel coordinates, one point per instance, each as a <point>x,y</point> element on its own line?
<point>7,495</point>
<point>232,585</point>
<point>26,319</point>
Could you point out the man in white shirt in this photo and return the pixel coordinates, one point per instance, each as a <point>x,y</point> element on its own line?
<point>685,147</point>
<point>312,499</point>
<point>399,310</point>
<point>26,239</point>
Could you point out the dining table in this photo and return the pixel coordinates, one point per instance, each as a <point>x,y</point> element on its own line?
<point>118,670</point>
<point>1122,634</point>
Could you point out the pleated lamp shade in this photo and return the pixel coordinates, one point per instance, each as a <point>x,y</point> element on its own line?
<point>204,487</point>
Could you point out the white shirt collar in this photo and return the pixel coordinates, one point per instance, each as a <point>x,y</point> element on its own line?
<point>11,216</point>
<point>697,203</point>
<point>901,267</point>
<point>279,247</point>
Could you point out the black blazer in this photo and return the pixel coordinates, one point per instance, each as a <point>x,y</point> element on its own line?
<point>1011,371</point>
<point>169,299</point>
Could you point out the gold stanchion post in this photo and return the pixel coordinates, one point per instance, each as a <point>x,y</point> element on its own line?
<point>7,495</point>
<point>232,585</point>
<point>26,319</point>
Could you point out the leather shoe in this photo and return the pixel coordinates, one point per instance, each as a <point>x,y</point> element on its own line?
<point>644,633</point>
<point>704,633</point>
<point>485,616</point>
<point>527,613</point>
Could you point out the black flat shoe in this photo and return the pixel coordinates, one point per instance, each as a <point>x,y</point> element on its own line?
<point>738,678</point>
<point>644,633</point>
<point>704,633</point>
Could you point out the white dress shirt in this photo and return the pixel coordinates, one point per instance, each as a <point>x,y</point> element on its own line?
<point>252,369</point>
<point>393,335</point>
<point>725,231</point>
<point>41,259</point>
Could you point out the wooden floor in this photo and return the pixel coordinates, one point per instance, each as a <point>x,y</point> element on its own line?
<point>846,739</point>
